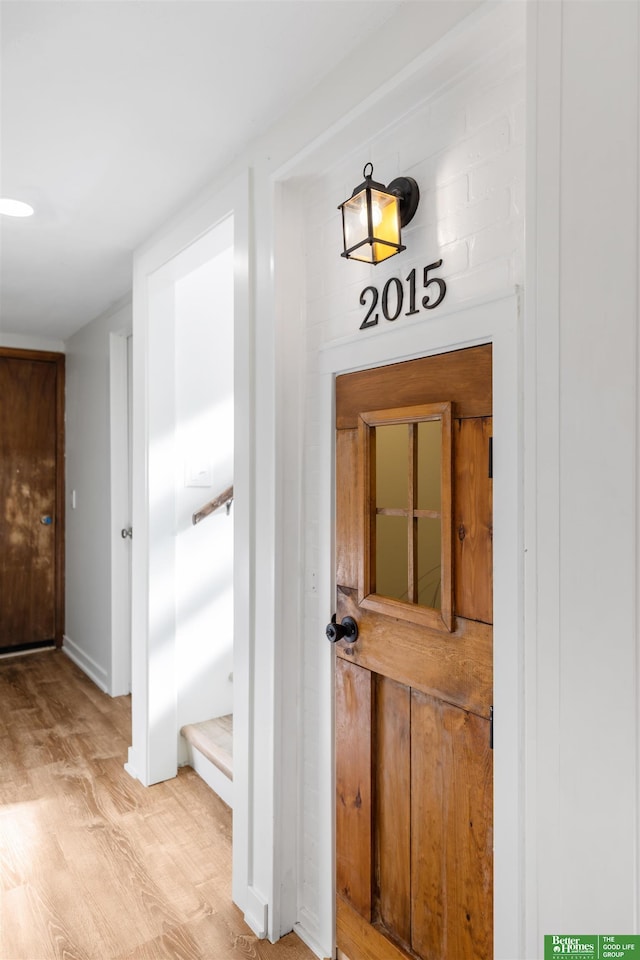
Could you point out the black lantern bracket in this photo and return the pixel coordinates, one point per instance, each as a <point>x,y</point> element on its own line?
<point>408,192</point>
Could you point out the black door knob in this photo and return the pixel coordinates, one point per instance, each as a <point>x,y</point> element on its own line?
<point>347,630</point>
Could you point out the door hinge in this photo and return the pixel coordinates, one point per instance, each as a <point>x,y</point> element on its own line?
<point>490,458</point>
<point>491,728</point>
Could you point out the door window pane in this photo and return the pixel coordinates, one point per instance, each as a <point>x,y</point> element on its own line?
<point>406,469</point>
<point>429,464</point>
<point>429,555</point>
<point>391,557</point>
<point>392,453</point>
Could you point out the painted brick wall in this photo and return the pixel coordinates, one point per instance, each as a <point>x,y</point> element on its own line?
<point>465,147</point>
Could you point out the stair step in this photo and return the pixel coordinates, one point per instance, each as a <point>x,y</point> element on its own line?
<point>214,740</point>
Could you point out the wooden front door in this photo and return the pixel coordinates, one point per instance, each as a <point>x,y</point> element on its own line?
<point>414,769</point>
<point>31,498</point>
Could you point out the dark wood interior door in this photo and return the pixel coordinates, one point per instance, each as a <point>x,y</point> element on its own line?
<point>414,770</point>
<point>31,499</point>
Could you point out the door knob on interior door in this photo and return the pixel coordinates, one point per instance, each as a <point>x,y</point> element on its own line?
<point>347,630</point>
<point>126,532</point>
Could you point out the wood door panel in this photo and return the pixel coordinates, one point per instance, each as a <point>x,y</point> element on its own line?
<point>29,445</point>
<point>392,807</point>
<point>430,380</point>
<point>473,520</point>
<point>414,692</point>
<point>455,666</point>
<point>354,701</point>
<point>452,859</point>
<point>359,940</point>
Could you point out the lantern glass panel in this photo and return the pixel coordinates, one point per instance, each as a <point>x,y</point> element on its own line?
<point>386,224</point>
<point>354,212</point>
<point>385,221</point>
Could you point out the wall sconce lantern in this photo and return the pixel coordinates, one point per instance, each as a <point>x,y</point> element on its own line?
<point>373,215</point>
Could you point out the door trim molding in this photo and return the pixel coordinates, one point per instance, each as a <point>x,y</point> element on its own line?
<point>495,321</point>
<point>58,359</point>
<point>153,753</point>
<point>119,680</point>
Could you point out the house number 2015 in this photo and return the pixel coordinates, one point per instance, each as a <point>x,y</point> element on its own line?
<point>392,300</point>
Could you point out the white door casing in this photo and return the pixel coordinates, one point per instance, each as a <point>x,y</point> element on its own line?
<point>153,754</point>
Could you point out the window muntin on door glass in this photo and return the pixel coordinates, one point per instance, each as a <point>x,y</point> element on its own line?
<point>406,565</point>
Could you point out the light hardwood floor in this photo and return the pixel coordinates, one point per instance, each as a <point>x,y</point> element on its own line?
<point>94,866</point>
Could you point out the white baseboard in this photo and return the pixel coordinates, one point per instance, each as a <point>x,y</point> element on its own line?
<point>86,663</point>
<point>301,931</point>
<point>131,766</point>
<point>257,912</point>
<point>213,777</point>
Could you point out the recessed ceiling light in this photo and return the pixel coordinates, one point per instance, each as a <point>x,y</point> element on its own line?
<point>15,208</point>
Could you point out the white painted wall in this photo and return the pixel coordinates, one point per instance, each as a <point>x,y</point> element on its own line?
<point>574,659</point>
<point>268,505</point>
<point>89,534</point>
<point>204,442</point>
<point>153,754</point>
<point>455,124</point>
<point>456,118</point>
<point>581,391</point>
<point>334,115</point>
<point>120,415</point>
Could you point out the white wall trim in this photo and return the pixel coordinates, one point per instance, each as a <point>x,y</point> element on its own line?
<point>257,912</point>
<point>120,675</point>
<point>541,424</point>
<point>288,549</point>
<point>481,34</point>
<point>302,930</point>
<point>244,540</point>
<point>86,663</point>
<point>151,757</point>
<point>399,342</point>
<point>636,898</point>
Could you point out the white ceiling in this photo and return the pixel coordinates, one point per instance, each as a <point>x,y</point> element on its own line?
<point>114,113</point>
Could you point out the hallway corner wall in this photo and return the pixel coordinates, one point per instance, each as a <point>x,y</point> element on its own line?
<point>88,535</point>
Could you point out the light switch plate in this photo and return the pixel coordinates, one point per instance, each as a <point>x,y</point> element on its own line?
<point>197,473</point>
